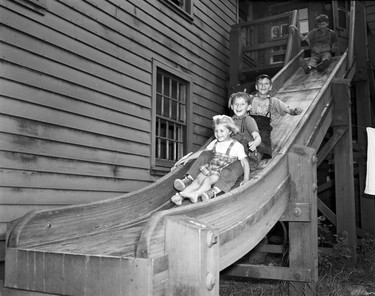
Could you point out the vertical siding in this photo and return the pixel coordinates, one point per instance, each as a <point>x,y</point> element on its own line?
<point>370,15</point>
<point>75,93</point>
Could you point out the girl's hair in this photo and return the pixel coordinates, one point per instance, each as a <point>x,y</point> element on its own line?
<point>227,121</point>
<point>240,94</point>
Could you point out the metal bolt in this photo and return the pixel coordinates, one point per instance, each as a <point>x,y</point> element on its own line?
<point>297,212</point>
<point>210,281</point>
<point>211,239</point>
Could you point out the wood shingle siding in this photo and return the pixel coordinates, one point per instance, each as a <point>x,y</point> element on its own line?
<point>76,93</point>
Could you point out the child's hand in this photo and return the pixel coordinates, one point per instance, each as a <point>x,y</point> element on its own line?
<point>252,146</point>
<point>243,182</point>
<point>293,28</point>
<point>297,111</point>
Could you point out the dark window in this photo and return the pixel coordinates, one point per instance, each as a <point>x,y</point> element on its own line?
<point>170,118</point>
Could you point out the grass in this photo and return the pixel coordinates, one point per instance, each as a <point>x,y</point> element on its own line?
<point>338,275</point>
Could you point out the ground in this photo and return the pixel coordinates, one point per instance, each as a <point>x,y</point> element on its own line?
<point>339,274</point>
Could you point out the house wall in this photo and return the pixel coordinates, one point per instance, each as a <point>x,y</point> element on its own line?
<point>76,93</point>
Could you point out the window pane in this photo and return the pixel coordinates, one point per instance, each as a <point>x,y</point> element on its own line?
<point>158,104</point>
<point>302,13</point>
<point>304,26</point>
<point>171,98</point>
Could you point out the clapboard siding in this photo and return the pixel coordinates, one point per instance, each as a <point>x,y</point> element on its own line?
<point>39,147</point>
<point>27,196</point>
<point>76,93</point>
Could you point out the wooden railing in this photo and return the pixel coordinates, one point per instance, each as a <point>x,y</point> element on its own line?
<point>261,44</point>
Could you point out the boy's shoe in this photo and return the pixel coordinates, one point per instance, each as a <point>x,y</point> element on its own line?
<point>254,158</point>
<point>324,64</point>
<point>177,199</point>
<point>208,194</point>
<point>180,184</point>
<point>304,66</point>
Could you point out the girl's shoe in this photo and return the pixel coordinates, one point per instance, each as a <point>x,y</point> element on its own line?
<point>177,199</point>
<point>208,194</point>
<point>180,184</point>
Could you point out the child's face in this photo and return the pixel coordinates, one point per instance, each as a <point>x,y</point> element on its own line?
<point>263,86</point>
<point>240,107</point>
<point>322,25</point>
<point>222,132</point>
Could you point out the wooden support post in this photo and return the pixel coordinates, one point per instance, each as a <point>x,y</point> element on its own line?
<point>363,107</point>
<point>303,235</point>
<point>193,257</point>
<point>343,157</point>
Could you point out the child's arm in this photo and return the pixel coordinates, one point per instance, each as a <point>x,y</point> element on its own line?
<point>246,169</point>
<point>282,108</point>
<point>257,140</point>
<point>185,159</point>
<point>295,29</point>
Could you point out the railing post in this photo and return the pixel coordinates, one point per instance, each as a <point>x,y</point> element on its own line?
<point>236,55</point>
<point>294,44</point>
<point>193,257</point>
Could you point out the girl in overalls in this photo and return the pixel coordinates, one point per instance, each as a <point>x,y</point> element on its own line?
<point>263,105</point>
<point>226,150</point>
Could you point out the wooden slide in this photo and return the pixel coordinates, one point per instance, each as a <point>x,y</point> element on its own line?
<point>134,244</point>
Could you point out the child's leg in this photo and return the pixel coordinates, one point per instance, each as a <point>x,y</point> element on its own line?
<point>194,170</point>
<point>314,60</point>
<point>228,177</point>
<point>195,184</point>
<point>202,159</point>
<point>326,60</point>
<point>178,197</point>
<point>206,185</point>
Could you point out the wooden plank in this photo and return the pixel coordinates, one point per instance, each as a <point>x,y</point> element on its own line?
<point>115,277</point>
<point>104,108</point>
<point>33,163</point>
<point>303,236</point>
<point>150,31</point>
<point>31,136</point>
<point>26,145</point>
<point>37,196</point>
<point>113,71</point>
<point>197,272</point>
<point>20,179</point>
<point>80,42</point>
<point>344,179</point>
<point>320,129</point>
<point>329,145</point>
<point>269,272</point>
<point>59,71</point>
<point>63,119</point>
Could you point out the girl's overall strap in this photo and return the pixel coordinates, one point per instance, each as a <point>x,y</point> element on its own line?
<point>230,147</point>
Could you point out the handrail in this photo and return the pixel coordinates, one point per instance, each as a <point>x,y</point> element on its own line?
<point>351,34</point>
<point>294,45</point>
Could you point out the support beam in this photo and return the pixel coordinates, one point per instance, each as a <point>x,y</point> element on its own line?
<point>193,257</point>
<point>303,235</point>
<point>343,157</point>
